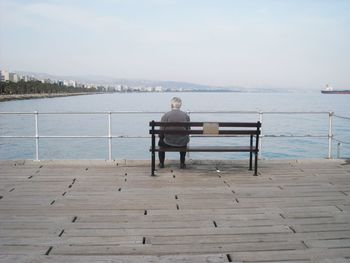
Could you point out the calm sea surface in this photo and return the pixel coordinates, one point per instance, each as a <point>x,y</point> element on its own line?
<point>136,125</point>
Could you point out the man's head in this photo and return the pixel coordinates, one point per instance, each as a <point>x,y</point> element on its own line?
<point>176,103</point>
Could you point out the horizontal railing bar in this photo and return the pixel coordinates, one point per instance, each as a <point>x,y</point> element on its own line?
<point>104,137</point>
<point>74,136</point>
<point>141,137</point>
<point>160,112</point>
<point>85,112</point>
<point>341,141</point>
<point>342,117</point>
<point>222,112</point>
<point>295,112</point>
<point>16,136</point>
<point>116,112</point>
<point>55,136</point>
<point>295,136</point>
<point>18,113</point>
<point>103,112</point>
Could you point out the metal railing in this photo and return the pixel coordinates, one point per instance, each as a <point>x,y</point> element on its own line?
<point>340,142</point>
<point>109,136</point>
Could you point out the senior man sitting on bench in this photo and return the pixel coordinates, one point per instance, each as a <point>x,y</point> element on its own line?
<point>173,140</point>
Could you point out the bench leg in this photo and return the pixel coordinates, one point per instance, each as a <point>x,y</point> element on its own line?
<point>251,153</point>
<point>256,164</point>
<point>250,161</point>
<point>153,163</point>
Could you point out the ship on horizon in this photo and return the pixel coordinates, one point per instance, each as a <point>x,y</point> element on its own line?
<point>330,90</point>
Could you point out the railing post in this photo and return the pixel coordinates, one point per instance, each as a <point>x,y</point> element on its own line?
<point>36,115</point>
<point>110,136</point>
<point>261,134</point>
<point>330,134</point>
<point>189,154</point>
<point>338,150</point>
<point>153,156</point>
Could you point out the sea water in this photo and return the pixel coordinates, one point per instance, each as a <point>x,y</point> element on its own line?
<point>283,134</point>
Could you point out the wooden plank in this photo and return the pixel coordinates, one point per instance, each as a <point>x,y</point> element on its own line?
<point>322,227</point>
<point>234,211</point>
<point>177,217</point>
<point>212,258</point>
<point>175,232</point>
<point>174,249</point>
<point>329,243</point>
<point>23,249</point>
<point>217,239</point>
<point>29,232</point>
<point>193,215</point>
<point>145,224</point>
<point>57,240</point>
<point>314,255</point>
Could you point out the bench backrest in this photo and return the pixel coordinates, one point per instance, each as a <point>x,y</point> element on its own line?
<point>205,128</point>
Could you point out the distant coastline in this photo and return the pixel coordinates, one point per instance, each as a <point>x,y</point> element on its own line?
<point>9,97</point>
<point>40,96</point>
<point>32,82</point>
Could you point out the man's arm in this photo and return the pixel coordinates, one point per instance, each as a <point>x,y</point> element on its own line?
<point>163,119</point>
<point>188,120</point>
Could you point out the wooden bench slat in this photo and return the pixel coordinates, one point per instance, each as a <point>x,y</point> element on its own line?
<point>200,124</point>
<point>185,132</point>
<point>206,149</point>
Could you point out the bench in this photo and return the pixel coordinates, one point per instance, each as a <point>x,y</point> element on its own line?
<point>251,130</point>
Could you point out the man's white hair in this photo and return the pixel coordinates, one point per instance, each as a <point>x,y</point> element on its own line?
<point>176,103</point>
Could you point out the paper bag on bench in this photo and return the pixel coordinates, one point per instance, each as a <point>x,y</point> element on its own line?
<point>210,128</point>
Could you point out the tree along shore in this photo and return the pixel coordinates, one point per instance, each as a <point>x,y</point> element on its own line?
<point>36,89</point>
<point>40,96</point>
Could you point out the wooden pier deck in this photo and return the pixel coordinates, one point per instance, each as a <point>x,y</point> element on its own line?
<point>295,211</point>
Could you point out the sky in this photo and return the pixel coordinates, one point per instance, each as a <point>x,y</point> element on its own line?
<point>262,43</point>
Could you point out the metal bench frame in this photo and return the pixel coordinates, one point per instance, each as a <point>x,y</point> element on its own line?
<point>232,129</point>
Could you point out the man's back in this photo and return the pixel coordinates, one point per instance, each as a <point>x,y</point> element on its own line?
<point>176,115</point>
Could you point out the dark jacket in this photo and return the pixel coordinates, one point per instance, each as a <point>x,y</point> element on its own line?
<point>176,115</point>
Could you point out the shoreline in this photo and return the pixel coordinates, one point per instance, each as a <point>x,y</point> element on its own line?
<point>41,96</point>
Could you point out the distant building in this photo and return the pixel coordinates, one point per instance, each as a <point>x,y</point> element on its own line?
<point>118,88</point>
<point>4,75</point>
<point>101,88</point>
<point>90,86</point>
<point>49,81</point>
<point>14,77</point>
<point>27,78</point>
<point>9,76</point>
<point>70,83</point>
<point>124,88</point>
<point>80,85</point>
<point>158,89</point>
<point>110,89</point>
